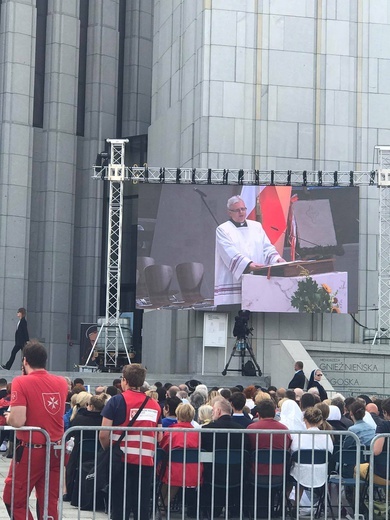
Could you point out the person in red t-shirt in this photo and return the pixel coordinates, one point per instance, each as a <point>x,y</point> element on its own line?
<point>37,400</point>
<point>266,411</point>
<point>138,450</point>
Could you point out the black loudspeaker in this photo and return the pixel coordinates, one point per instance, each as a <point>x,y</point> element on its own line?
<point>249,369</point>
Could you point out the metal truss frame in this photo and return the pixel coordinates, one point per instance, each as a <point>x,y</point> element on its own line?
<point>117,173</point>
<point>111,328</point>
<point>149,174</point>
<point>383,332</point>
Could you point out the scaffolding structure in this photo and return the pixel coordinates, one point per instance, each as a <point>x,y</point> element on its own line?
<point>384,243</point>
<point>110,329</point>
<point>112,168</point>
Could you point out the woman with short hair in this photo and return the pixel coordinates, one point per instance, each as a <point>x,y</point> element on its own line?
<point>176,474</point>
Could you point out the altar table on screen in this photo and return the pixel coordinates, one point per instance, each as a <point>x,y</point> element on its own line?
<point>260,294</point>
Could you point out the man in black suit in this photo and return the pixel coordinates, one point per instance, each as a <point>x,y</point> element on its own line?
<point>21,337</point>
<point>299,379</point>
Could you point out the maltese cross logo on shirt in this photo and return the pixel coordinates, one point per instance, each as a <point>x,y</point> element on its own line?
<point>51,402</point>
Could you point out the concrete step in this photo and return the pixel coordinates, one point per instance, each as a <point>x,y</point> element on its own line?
<point>106,378</point>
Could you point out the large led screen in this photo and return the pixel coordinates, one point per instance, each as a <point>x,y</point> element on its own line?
<point>263,248</point>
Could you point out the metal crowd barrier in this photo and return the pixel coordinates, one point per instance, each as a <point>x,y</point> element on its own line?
<point>14,453</point>
<point>226,483</point>
<point>240,482</point>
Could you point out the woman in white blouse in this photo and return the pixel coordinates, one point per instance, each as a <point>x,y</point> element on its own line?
<point>308,475</point>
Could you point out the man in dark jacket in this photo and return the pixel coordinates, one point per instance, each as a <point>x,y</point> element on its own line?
<point>299,379</point>
<point>21,337</point>
<point>222,418</point>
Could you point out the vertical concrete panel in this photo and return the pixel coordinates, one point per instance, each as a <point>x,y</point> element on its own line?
<point>100,124</point>
<point>55,182</point>
<point>17,55</point>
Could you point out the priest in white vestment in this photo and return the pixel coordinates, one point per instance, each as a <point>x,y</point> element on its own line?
<point>241,247</point>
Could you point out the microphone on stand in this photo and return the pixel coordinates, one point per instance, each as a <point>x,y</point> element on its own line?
<point>203,196</point>
<point>200,192</point>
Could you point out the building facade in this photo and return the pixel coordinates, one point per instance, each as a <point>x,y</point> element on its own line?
<point>285,85</point>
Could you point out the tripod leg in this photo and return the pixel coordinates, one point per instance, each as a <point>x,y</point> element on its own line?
<point>252,355</point>
<point>243,362</point>
<point>224,372</point>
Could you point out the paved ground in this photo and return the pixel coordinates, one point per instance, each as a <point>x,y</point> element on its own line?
<point>69,512</point>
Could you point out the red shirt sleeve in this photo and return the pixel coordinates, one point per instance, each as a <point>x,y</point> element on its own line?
<point>18,397</point>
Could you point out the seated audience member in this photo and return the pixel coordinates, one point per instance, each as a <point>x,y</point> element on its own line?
<point>347,403</point>
<point>192,384</point>
<point>225,393</point>
<point>176,475</point>
<point>205,414</point>
<point>266,412</point>
<point>202,389</point>
<point>314,391</point>
<point>307,401</point>
<point>197,399</point>
<point>262,470</point>
<point>372,409</point>
<point>152,394</point>
<point>336,417</point>
<point>78,381</point>
<point>118,384</point>
<point>169,411</point>
<point>325,414</point>
<point>281,393</point>
<point>250,392</point>
<point>362,429</point>
<point>305,474</point>
<point>298,394</point>
<point>112,390</point>
<point>290,394</point>
<point>172,391</point>
<point>367,416</point>
<point>81,400</point>
<point>260,396</point>
<point>100,390</point>
<point>88,416</point>
<point>238,400</point>
<point>222,418</point>
<point>183,396</point>
<point>161,396</point>
<point>291,415</point>
<point>212,393</point>
<point>5,435</point>
<point>381,470</point>
<point>364,398</point>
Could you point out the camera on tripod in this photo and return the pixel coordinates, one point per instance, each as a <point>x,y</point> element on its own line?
<point>241,330</point>
<point>243,347</point>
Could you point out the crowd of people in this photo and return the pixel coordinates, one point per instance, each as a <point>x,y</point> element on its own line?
<point>193,406</point>
<point>190,406</point>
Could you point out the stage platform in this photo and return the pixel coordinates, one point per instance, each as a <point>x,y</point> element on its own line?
<point>106,378</point>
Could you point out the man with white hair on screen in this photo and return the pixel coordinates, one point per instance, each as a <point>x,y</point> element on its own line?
<point>242,246</point>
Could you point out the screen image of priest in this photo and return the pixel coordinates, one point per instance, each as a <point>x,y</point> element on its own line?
<point>178,225</point>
